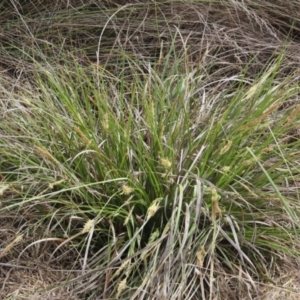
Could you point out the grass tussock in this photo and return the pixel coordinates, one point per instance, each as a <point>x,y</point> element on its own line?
<point>149,149</point>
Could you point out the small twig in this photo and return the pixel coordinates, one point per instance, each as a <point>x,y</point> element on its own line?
<point>16,266</point>
<point>8,265</point>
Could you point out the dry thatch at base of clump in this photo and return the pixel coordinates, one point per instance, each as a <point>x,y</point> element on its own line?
<point>20,284</point>
<point>285,283</point>
<point>30,275</point>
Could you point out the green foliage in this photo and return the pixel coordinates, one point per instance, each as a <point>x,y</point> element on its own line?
<point>162,177</point>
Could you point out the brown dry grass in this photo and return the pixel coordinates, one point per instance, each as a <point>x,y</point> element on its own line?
<point>226,36</point>
<point>285,285</point>
<point>34,285</point>
<point>30,274</point>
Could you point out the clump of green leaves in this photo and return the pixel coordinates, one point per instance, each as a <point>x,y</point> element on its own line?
<point>171,184</point>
